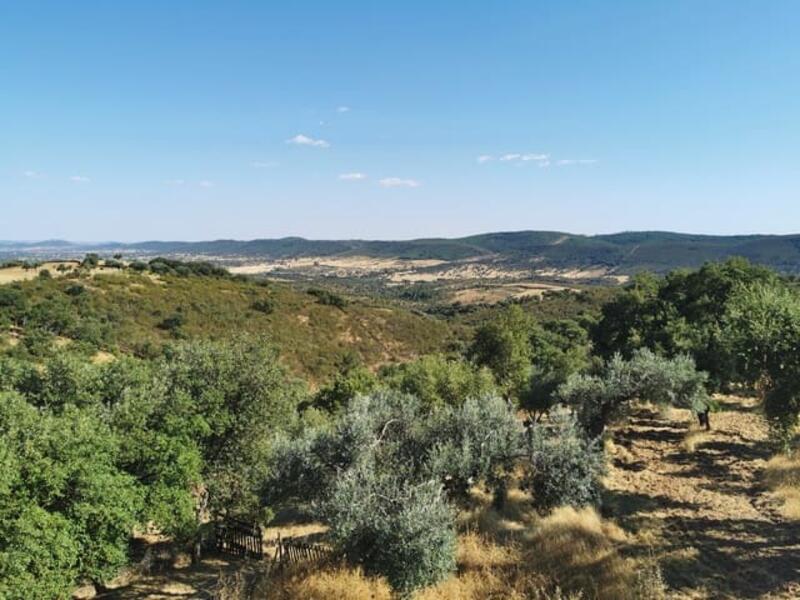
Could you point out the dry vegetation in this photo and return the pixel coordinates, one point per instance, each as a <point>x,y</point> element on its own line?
<point>511,554</point>
<point>12,274</point>
<point>782,476</point>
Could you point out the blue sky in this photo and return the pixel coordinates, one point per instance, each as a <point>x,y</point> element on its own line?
<point>199,120</point>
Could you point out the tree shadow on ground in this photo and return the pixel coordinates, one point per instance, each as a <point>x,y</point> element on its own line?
<point>740,558</point>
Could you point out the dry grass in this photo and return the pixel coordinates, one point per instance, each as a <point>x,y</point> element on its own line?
<point>510,554</point>
<point>782,476</point>
<point>12,274</point>
<point>695,438</point>
<point>581,551</point>
<point>490,570</point>
<point>334,583</point>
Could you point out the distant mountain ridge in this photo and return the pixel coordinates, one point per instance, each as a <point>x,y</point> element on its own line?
<point>622,253</point>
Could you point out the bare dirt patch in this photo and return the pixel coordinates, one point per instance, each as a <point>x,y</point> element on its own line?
<point>498,293</point>
<point>705,510</point>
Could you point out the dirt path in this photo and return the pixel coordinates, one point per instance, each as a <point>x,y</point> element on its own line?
<point>704,510</point>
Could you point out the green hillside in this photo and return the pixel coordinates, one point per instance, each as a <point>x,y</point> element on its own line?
<point>138,313</point>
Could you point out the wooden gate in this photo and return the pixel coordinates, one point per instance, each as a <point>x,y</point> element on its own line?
<point>239,538</point>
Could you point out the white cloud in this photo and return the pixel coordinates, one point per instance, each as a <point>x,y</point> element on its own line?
<point>539,159</point>
<point>394,182</point>
<point>79,179</point>
<point>527,157</point>
<point>175,181</point>
<point>264,164</point>
<point>352,176</point>
<point>206,184</point>
<point>575,161</point>
<point>304,140</point>
<point>30,174</point>
<point>342,109</point>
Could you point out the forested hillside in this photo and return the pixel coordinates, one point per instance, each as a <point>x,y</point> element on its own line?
<point>504,451</point>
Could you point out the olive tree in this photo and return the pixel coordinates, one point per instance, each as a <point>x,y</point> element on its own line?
<point>600,399</point>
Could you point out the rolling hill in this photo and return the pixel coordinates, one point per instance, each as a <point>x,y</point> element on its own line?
<point>621,253</point>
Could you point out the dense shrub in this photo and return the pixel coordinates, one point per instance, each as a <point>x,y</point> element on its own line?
<point>264,305</point>
<point>438,381</point>
<point>762,328</point>
<point>378,474</point>
<point>351,381</point>
<point>565,466</point>
<point>402,530</point>
<point>476,441</point>
<point>503,346</point>
<point>66,509</point>
<point>328,298</point>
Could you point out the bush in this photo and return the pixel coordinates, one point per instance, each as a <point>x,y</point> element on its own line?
<point>264,305</point>
<point>437,381</point>
<point>781,407</point>
<point>66,509</point>
<point>348,383</point>
<point>477,441</point>
<point>402,530</point>
<point>328,298</point>
<point>90,261</point>
<point>377,477</point>
<point>565,467</point>
<point>173,323</point>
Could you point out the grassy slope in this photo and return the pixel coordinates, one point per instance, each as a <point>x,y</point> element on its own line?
<point>312,337</point>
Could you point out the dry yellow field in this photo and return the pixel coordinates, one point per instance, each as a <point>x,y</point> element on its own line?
<point>12,274</point>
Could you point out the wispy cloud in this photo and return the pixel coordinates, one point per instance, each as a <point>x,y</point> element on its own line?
<point>539,159</point>
<point>397,182</point>
<point>520,157</point>
<point>516,157</point>
<point>206,184</point>
<point>264,164</point>
<point>575,161</point>
<point>342,109</point>
<point>175,181</point>
<point>31,174</point>
<point>79,179</point>
<point>352,176</point>
<point>304,140</point>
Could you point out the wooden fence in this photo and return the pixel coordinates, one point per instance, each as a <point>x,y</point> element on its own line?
<point>239,538</point>
<point>290,551</point>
